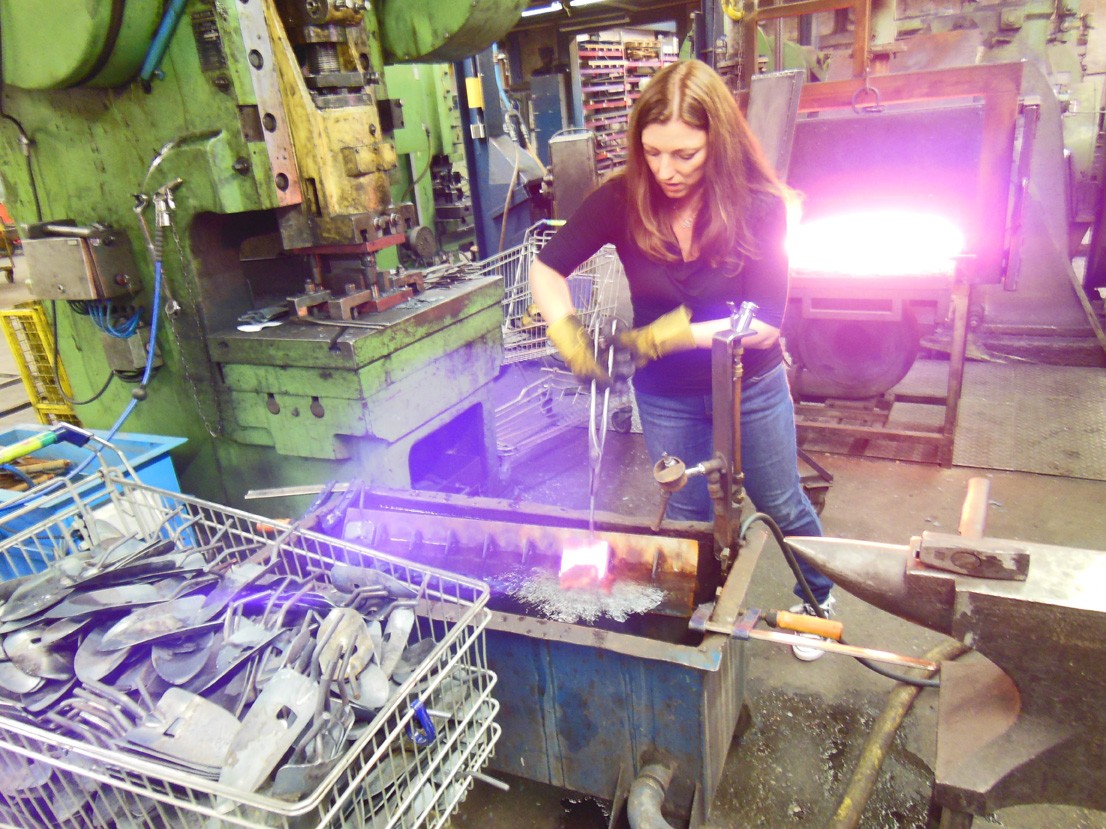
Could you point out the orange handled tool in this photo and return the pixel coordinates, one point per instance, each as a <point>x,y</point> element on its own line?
<point>803,623</point>
<point>745,628</point>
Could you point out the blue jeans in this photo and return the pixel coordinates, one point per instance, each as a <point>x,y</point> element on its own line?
<point>681,426</point>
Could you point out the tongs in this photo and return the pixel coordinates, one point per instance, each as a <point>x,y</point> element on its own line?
<point>598,418</point>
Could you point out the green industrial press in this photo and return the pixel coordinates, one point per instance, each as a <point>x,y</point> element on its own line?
<point>257,167</point>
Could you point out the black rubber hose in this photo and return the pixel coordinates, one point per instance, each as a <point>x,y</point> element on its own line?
<point>24,140</point>
<point>57,373</point>
<point>808,595</point>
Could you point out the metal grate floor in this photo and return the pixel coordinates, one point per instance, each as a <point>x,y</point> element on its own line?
<point>1033,418</point>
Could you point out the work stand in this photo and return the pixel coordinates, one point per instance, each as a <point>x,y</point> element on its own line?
<point>828,424</point>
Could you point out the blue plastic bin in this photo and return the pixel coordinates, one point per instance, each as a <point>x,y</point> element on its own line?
<point>147,454</point>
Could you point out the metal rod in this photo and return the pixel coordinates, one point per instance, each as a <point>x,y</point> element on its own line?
<point>70,230</point>
<point>491,781</point>
<point>290,491</point>
<point>829,645</point>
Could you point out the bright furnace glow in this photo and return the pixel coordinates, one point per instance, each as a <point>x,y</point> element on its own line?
<point>596,555</point>
<point>876,244</point>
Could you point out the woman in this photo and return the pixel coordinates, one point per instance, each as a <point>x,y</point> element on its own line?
<point>698,219</point>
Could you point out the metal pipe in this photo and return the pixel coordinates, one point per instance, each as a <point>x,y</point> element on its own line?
<point>151,65</point>
<point>875,750</point>
<point>855,651</point>
<point>643,806</point>
<point>70,230</point>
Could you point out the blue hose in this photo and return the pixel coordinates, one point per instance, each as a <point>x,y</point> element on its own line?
<point>151,65</point>
<point>56,484</point>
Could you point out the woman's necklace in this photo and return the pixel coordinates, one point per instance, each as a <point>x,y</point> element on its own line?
<point>686,219</point>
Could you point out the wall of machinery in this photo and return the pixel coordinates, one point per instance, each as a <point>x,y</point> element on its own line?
<point>242,216</point>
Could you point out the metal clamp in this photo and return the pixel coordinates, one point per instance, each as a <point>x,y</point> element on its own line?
<point>741,318</point>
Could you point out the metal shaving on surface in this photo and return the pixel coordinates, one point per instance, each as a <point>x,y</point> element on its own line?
<point>542,591</point>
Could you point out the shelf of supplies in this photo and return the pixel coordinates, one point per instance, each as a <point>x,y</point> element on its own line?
<point>594,105</point>
<point>616,120</point>
<point>609,76</point>
<point>600,89</point>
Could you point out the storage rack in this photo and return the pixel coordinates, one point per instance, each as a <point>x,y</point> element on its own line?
<point>603,93</point>
<point>609,70</point>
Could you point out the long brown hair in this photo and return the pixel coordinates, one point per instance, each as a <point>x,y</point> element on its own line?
<point>736,170</point>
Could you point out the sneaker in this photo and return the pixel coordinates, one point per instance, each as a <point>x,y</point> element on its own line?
<point>807,654</point>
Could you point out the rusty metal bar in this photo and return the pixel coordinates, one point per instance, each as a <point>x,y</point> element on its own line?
<point>973,515</point>
<point>791,639</point>
<point>957,356</point>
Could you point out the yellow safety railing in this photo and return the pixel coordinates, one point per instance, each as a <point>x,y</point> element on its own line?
<point>32,344</point>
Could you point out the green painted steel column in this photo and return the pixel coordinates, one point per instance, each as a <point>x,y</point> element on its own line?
<point>436,30</point>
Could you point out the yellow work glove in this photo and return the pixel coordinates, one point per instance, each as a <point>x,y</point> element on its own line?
<point>574,344</point>
<point>664,335</point>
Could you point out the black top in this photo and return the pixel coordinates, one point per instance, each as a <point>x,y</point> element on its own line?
<point>658,287</point>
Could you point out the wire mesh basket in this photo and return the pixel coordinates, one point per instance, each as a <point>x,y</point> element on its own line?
<point>594,287</point>
<point>68,754</point>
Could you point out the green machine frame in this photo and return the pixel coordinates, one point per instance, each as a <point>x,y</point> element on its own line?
<point>287,149</point>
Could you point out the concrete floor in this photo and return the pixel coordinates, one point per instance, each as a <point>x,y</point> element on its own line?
<point>809,720</point>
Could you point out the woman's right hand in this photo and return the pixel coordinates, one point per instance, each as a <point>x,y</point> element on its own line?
<point>575,345</point>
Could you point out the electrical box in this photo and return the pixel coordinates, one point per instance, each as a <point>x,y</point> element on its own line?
<point>575,173</point>
<point>79,263</point>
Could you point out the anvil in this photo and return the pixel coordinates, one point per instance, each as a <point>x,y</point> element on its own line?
<point>1027,724</point>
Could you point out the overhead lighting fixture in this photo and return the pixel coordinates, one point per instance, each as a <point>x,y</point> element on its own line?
<point>552,8</point>
<point>596,24</point>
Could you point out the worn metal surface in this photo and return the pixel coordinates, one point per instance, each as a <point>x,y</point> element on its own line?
<point>100,43</point>
<point>77,269</point>
<point>276,131</point>
<point>305,388</point>
<point>773,105</point>
<point>429,30</point>
<point>576,713</point>
<point>1005,724</point>
<point>574,153</point>
<point>326,138</point>
<point>1009,419</point>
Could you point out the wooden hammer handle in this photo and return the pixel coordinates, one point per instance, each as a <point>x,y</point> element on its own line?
<point>802,623</point>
